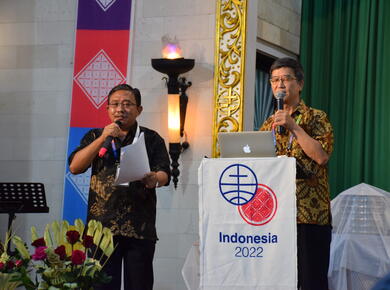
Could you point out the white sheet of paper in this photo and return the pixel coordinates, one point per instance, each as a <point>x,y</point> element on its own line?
<point>134,162</point>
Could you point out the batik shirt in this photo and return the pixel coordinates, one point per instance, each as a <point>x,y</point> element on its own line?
<point>127,210</point>
<point>312,187</point>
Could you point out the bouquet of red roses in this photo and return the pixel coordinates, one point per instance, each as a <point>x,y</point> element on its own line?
<point>70,257</point>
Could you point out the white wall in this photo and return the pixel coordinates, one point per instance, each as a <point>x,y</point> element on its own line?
<point>36,67</point>
<point>36,64</point>
<point>193,23</point>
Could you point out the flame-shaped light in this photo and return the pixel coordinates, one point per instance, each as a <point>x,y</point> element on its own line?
<point>171,51</point>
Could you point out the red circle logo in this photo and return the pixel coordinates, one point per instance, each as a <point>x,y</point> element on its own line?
<point>261,209</point>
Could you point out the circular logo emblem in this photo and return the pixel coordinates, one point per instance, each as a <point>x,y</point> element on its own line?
<point>261,209</point>
<point>238,184</point>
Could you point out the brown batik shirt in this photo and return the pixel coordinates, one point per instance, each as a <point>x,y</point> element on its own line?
<point>312,187</point>
<point>127,210</point>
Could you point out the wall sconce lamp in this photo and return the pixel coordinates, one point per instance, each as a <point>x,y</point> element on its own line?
<point>177,104</point>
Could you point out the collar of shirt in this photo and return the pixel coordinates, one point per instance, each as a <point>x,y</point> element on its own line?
<point>130,135</point>
<point>300,109</point>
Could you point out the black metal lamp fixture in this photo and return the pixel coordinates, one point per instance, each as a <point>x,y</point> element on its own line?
<point>177,105</point>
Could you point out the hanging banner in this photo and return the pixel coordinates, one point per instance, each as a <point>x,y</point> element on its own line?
<point>247,224</point>
<point>100,63</point>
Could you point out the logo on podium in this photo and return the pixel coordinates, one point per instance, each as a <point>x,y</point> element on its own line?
<point>257,203</point>
<point>261,209</point>
<point>238,184</point>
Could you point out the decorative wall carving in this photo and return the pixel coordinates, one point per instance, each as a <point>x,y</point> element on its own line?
<point>229,68</point>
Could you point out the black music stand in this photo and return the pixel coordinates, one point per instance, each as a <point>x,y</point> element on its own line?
<point>22,197</point>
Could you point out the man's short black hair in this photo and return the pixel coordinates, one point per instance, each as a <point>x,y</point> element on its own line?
<point>126,87</point>
<point>288,62</point>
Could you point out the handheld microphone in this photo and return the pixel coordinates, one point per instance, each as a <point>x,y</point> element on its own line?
<point>279,104</point>
<point>107,142</point>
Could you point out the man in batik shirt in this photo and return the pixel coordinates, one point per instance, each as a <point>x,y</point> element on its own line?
<point>309,138</point>
<point>129,211</point>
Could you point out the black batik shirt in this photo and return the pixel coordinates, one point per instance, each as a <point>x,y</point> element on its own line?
<point>127,210</point>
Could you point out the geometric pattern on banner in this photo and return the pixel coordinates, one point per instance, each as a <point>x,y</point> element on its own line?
<point>104,15</point>
<point>98,77</point>
<point>105,4</point>
<point>80,183</point>
<point>75,186</point>
<point>74,206</point>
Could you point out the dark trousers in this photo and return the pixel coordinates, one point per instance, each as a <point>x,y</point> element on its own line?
<point>313,256</point>
<point>137,256</point>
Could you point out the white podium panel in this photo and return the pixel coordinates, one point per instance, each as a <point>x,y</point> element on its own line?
<point>247,224</point>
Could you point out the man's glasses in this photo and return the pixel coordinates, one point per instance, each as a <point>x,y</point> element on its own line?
<point>285,79</point>
<point>125,105</point>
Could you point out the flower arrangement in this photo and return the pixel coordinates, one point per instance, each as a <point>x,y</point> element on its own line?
<point>66,257</point>
<point>13,266</point>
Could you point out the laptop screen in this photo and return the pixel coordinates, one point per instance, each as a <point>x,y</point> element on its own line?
<point>246,144</point>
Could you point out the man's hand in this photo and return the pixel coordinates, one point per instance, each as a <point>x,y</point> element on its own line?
<point>155,179</point>
<point>111,130</point>
<point>283,118</point>
<point>150,180</point>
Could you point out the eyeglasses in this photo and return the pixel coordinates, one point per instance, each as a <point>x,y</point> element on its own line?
<point>125,105</point>
<point>285,79</point>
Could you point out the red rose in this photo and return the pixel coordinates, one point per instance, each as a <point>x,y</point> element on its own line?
<point>18,263</point>
<point>1,265</point>
<point>88,241</point>
<point>78,257</point>
<point>60,251</point>
<point>39,243</point>
<point>10,264</point>
<point>39,254</point>
<point>72,236</point>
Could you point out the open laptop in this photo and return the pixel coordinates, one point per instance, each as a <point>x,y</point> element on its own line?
<point>246,144</point>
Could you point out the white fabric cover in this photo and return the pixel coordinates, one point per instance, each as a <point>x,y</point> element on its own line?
<point>274,264</point>
<point>360,248</point>
<point>191,268</point>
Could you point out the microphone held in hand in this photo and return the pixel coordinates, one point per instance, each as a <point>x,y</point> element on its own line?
<point>107,142</point>
<point>279,104</point>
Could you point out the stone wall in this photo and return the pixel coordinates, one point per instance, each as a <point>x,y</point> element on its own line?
<point>279,23</point>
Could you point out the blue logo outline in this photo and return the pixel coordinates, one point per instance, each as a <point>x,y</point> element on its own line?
<point>238,198</point>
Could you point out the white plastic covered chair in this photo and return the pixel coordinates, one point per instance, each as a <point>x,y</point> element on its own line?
<point>360,248</point>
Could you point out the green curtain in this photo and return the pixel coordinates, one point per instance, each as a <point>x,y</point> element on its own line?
<point>263,99</point>
<point>345,51</point>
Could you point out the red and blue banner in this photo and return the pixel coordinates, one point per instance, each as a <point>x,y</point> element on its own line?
<point>100,63</point>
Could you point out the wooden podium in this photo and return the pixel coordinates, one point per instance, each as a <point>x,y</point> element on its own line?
<point>247,224</point>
